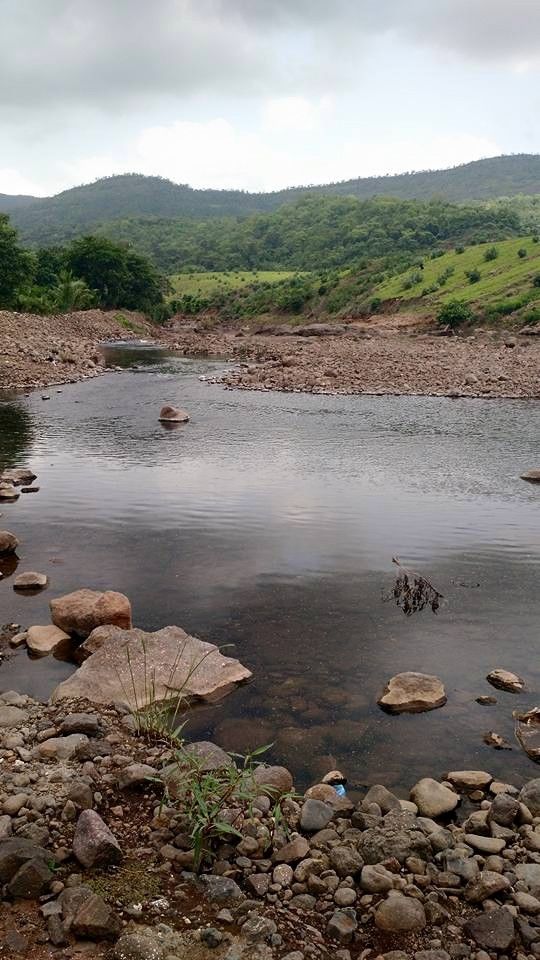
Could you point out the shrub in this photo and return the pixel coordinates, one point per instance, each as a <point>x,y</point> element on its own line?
<point>535,238</point>
<point>454,314</point>
<point>375,304</point>
<point>460,249</point>
<point>536,281</point>
<point>491,254</point>
<point>435,254</point>
<point>522,253</point>
<point>473,276</point>
<point>412,280</point>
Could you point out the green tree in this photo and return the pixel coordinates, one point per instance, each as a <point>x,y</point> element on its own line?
<point>455,313</point>
<point>16,265</point>
<point>71,294</point>
<point>119,276</point>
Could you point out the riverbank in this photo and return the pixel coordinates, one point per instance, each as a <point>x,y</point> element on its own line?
<point>97,858</point>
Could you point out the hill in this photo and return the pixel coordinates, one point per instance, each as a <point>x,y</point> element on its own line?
<point>79,210</point>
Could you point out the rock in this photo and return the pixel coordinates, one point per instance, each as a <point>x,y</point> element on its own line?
<point>208,756</point>
<point>345,860</point>
<point>342,925</point>
<point>493,930</point>
<point>31,879</point>
<point>485,844</point>
<point>96,920</point>
<point>258,884</point>
<point>8,542</point>
<point>412,693</point>
<point>5,827</point>
<point>530,795</point>
<point>487,884</point>
<point>180,665</point>
<point>399,836</point>
<point>533,476</point>
<point>81,795</point>
<point>294,850</point>
<point>345,897</point>
<point>136,773</point>
<point>221,889</point>
<point>505,680</point>
<point>30,580</point>
<point>169,414</point>
<point>283,874</point>
<point>469,779</point>
<point>527,903</point>
<point>14,852</point>
<point>82,611</point>
<point>433,798</point>
<point>399,914</point>
<point>138,946</point>
<point>504,810</point>
<point>382,797</point>
<point>315,815</point>
<point>376,879</point>
<point>273,781</point>
<point>8,491</point>
<point>87,723</point>
<point>62,748</point>
<point>19,477</point>
<point>93,843</point>
<point>44,640</point>
<point>257,928</point>
<point>528,731</point>
<point>13,804</point>
<point>530,874</point>
<point>11,716</point>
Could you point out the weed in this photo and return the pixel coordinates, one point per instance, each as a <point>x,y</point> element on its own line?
<point>412,592</point>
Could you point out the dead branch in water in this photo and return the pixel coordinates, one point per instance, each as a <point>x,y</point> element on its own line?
<point>413,592</point>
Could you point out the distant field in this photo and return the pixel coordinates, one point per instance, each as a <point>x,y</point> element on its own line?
<point>204,284</point>
<point>504,277</point>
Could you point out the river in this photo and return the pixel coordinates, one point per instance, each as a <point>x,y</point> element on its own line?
<point>269,522</point>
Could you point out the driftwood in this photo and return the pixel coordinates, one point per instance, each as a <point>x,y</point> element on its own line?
<point>413,592</point>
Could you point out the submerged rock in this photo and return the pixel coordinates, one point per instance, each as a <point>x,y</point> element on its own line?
<point>8,491</point>
<point>505,680</point>
<point>528,732</point>
<point>8,542</point>
<point>170,414</point>
<point>44,640</point>
<point>412,693</point>
<point>83,610</point>
<point>19,477</point>
<point>139,668</point>
<point>30,581</point>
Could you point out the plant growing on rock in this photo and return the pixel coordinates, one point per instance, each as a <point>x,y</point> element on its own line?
<point>412,592</point>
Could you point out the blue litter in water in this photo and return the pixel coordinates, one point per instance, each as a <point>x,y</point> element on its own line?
<point>340,789</point>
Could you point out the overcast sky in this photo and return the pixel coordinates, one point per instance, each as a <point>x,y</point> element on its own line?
<point>260,94</point>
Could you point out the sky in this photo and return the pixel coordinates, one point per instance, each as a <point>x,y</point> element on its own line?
<point>261,94</point>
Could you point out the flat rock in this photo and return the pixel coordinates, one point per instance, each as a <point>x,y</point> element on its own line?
<point>484,844</point>
<point>399,914</point>
<point>528,731</point>
<point>469,779</point>
<point>180,666</point>
<point>18,476</point>
<point>533,476</point>
<point>412,693</point>
<point>8,491</point>
<point>315,815</point>
<point>44,640</point>
<point>96,920</point>
<point>87,723</point>
<point>433,798</point>
<point>8,542</point>
<point>30,580</point>
<point>93,843</point>
<point>493,930</point>
<point>295,850</point>
<point>505,680</point>
<point>62,748</point>
<point>82,611</point>
<point>11,716</point>
<point>170,414</point>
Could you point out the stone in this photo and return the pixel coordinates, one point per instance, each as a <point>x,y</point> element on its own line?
<point>469,779</point>
<point>82,611</point>
<point>342,925</point>
<point>31,879</point>
<point>345,860</point>
<point>296,849</point>
<point>170,414</point>
<point>96,920</point>
<point>11,716</point>
<point>258,929</point>
<point>529,795</point>
<point>505,680</point>
<point>528,731</point>
<point>62,748</point>
<point>93,843</point>
<point>484,844</point>
<point>432,798</point>
<point>399,914</point>
<point>504,810</point>
<point>530,874</point>
<point>283,874</point>
<point>138,946</point>
<point>487,884</point>
<point>273,781</point>
<point>30,580</point>
<point>315,815</point>
<point>412,693</point>
<point>14,852</point>
<point>81,795</point>
<point>221,889</point>
<point>180,665</point>
<point>533,476</point>
<point>526,902</point>
<point>87,723</point>
<point>399,836</point>
<point>210,937</point>
<point>44,640</point>
<point>258,883</point>
<point>382,797</point>
<point>8,491</point>
<point>8,542</point>
<point>6,828</point>
<point>13,804</point>
<point>345,897</point>
<point>493,930</point>
<point>136,773</point>
<point>19,476</point>
<point>375,878</point>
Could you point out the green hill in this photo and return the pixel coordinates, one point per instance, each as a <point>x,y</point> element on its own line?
<point>79,210</point>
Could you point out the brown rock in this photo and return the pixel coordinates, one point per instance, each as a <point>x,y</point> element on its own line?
<point>80,612</point>
<point>93,843</point>
<point>8,542</point>
<point>19,477</point>
<point>533,476</point>
<point>44,640</point>
<point>505,680</point>
<point>294,850</point>
<point>169,414</point>
<point>273,781</point>
<point>30,580</point>
<point>412,693</point>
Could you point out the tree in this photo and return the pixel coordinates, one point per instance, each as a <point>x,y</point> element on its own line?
<point>455,313</point>
<point>120,277</point>
<point>16,265</point>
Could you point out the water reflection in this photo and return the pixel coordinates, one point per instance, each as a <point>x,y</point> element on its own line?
<point>16,433</point>
<point>269,521</point>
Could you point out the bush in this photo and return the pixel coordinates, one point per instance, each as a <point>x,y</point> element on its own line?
<point>454,314</point>
<point>491,254</point>
<point>435,254</point>
<point>473,276</point>
<point>375,304</point>
<point>536,281</point>
<point>535,238</point>
<point>522,253</point>
<point>412,280</point>
<point>460,249</point>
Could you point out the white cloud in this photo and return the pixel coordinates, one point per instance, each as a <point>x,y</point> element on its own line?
<point>294,114</point>
<point>11,181</point>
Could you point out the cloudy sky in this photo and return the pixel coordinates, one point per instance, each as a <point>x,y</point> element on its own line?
<point>260,94</point>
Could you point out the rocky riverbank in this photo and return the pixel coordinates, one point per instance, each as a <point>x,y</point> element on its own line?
<point>41,351</point>
<point>96,857</point>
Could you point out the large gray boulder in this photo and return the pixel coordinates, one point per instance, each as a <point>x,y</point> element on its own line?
<point>138,668</point>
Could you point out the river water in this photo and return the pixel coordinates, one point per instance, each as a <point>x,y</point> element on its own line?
<point>269,522</point>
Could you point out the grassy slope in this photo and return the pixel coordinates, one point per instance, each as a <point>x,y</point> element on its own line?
<point>204,284</point>
<point>507,276</point>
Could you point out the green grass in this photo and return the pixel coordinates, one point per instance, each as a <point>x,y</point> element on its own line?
<point>205,284</point>
<point>508,276</point>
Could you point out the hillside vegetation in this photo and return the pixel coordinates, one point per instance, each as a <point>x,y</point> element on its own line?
<point>206,284</point>
<point>81,209</point>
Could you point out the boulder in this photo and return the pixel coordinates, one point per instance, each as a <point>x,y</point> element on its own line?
<point>493,930</point>
<point>315,815</point>
<point>30,580</point>
<point>11,716</point>
<point>533,476</point>
<point>530,796</point>
<point>140,668</point>
<point>505,680</point>
<point>433,798</point>
<point>14,852</point>
<point>93,843</point>
<point>399,836</point>
<point>96,920</point>
<point>412,693</point>
<point>469,779</point>
<point>8,491</point>
<point>170,414</point>
<point>8,542</point>
<point>31,879</point>
<point>83,610</point>
<point>528,732</point>
<point>19,477</point>
<point>44,640</point>
<point>399,914</point>
<point>273,781</point>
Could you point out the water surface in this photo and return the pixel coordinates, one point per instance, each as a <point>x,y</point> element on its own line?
<point>269,522</point>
